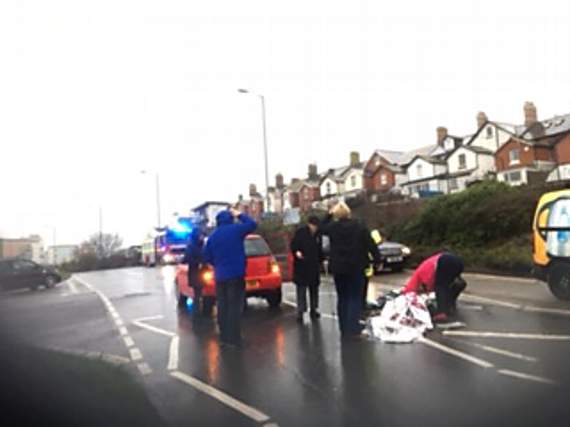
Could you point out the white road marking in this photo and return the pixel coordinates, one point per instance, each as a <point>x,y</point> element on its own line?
<point>479,362</point>
<point>173,354</point>
<point>490,301</point>
<point>119,322</point>
<point>145,319</point>
<point>219,395</point>
<point>128,341</point>
<point>136,354</point>
<point>524,376</point>
<point>500,351</point>
<point>144,368</point>
<point>72,288</point>
<point>559,311</point>
<point>481,334</point>
<point>114,359</point>
<point>154,329</point>
<point>123,331</point>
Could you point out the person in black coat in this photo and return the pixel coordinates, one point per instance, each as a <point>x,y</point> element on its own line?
<point>351,247</point>
<point>193,257</point>
<point>306,249</point>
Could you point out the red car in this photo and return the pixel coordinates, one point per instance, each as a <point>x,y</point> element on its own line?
<point>262,277</point>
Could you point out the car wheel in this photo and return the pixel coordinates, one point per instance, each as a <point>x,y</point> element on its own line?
<point>559,280</point>
<point>274,299</point>
<point>208,306</point>
<point>180,297</point>
<point>51,281</point>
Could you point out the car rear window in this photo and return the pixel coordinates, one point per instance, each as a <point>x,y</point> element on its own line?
<point>256,247</point>
<point>177,250</point>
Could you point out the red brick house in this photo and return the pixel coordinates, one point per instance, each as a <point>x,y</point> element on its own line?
<point>382,172</point>
<point>537,153</point>
<point>252,206</point>
<point>304,193</point>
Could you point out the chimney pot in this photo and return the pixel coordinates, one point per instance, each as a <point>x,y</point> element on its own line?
<point>481,119</point>
<point>279,181</point>
<point>530,114</point>
<point>441,134</point>
<point>354,158</point>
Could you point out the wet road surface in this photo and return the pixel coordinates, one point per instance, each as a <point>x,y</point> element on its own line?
<point>292,375</point>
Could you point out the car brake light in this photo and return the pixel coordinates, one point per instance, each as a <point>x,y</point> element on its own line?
<point>208,276</point>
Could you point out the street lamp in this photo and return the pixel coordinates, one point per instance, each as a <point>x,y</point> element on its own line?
<point>262,98</point>
<point>157,183</point>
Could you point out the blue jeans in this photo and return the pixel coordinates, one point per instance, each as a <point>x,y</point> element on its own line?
<point>230,296</point>
<point>349,288</point>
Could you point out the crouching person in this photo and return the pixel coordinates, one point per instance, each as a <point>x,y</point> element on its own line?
<point>440,273</point>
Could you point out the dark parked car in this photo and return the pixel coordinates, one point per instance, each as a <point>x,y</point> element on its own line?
<point>392,255</point>
<point>23,273</point>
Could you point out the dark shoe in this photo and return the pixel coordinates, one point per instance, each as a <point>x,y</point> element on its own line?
<point>315,314</point>
<point>300,318</point>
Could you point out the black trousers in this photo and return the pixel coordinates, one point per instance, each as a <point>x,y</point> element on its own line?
<point>302,298</point>
<point>365,292</point>
<point>230,296</point>
<point>449,267</point>
<point>349,288</point>
<point>197,287</point>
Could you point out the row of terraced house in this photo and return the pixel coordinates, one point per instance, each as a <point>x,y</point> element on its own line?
<point>533,152</point>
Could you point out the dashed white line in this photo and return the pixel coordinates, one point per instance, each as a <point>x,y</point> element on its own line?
<point>119,322</point>
<point>123,331</point>
<point>136,354</point>
<point>482,334</point>
<point>490,301</point>
<point>173,354</point>
<point>219,395</point>
<point>144,368</point>
<point>467,357</point>
<point>128,341</point>
<point>524,376</point>
<point>146,319</point>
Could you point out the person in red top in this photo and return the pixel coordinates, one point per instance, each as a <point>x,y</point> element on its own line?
<point>440,273</point>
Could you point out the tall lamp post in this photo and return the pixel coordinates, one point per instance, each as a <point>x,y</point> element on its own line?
<point>262,99</point>
<point>157,184</point>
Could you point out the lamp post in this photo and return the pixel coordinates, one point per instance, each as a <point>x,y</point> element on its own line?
<point>157,184</point>
<point>262,99</point>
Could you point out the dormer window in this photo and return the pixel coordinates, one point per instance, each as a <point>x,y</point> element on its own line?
<point>419,170</point>
<point>353,181</point>
<point>489,131</point>
<point>328,188</point>
<point>383,179</point>
<point>462,161</point>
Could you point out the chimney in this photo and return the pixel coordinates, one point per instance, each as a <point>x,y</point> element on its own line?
<point>295,180</point>
<point>240,198</point>
<point>441,134</point>
<point>354,158</point>
<point>530,115</point>
<point>279,181</point>
<point>313,174</point>
<point>481,119</point>
<point>252,190</point>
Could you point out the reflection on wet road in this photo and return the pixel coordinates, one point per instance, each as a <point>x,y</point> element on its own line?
<point>291,374</point>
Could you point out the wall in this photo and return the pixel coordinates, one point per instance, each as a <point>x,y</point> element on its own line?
<point>470,160</point>
<point>333,185</point>
<point>527,155</point>
<point>562,150</point>
<point>492,143</point>
<point>357,174</point>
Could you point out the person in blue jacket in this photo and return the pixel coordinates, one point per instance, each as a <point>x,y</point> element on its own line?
<point>225,251</point>
<point>193,257</point>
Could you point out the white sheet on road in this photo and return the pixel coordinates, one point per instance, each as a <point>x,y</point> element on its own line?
<point>403,319</point>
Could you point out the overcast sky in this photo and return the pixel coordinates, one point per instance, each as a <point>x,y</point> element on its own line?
<point>93,92</point>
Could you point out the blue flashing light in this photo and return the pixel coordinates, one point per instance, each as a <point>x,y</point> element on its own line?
<point>189,303</point>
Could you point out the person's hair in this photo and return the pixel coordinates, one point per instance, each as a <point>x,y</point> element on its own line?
<point>341,211</point>
<point>313,219</point>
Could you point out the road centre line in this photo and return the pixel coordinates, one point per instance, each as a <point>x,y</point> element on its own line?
<point>173,354</point>
<point>524,376</point>
<point>154,329</point>
<point>128,341</point>
<point>522,336</point>
<point>123,331</point>
<point>438,346</point>
<point>222,397</point>
<point>144,368</point>
<point>499,351</point>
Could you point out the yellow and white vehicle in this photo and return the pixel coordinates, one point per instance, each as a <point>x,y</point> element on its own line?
<point>551,242</point>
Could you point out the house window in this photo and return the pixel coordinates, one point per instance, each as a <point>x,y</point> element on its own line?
<point>328,188</point>
<point>383,179</point>
<point>377,162</point>
<point>419,171</point>
<point>489,132</point>
<point>462,161</point>
<point>353,181</point>
<point>306,194</point>
<point>514,176</point>
<point>514,156</point>
<point>453,184</point>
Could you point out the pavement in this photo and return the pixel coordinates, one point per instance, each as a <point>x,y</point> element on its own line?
<point>508,366</point>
